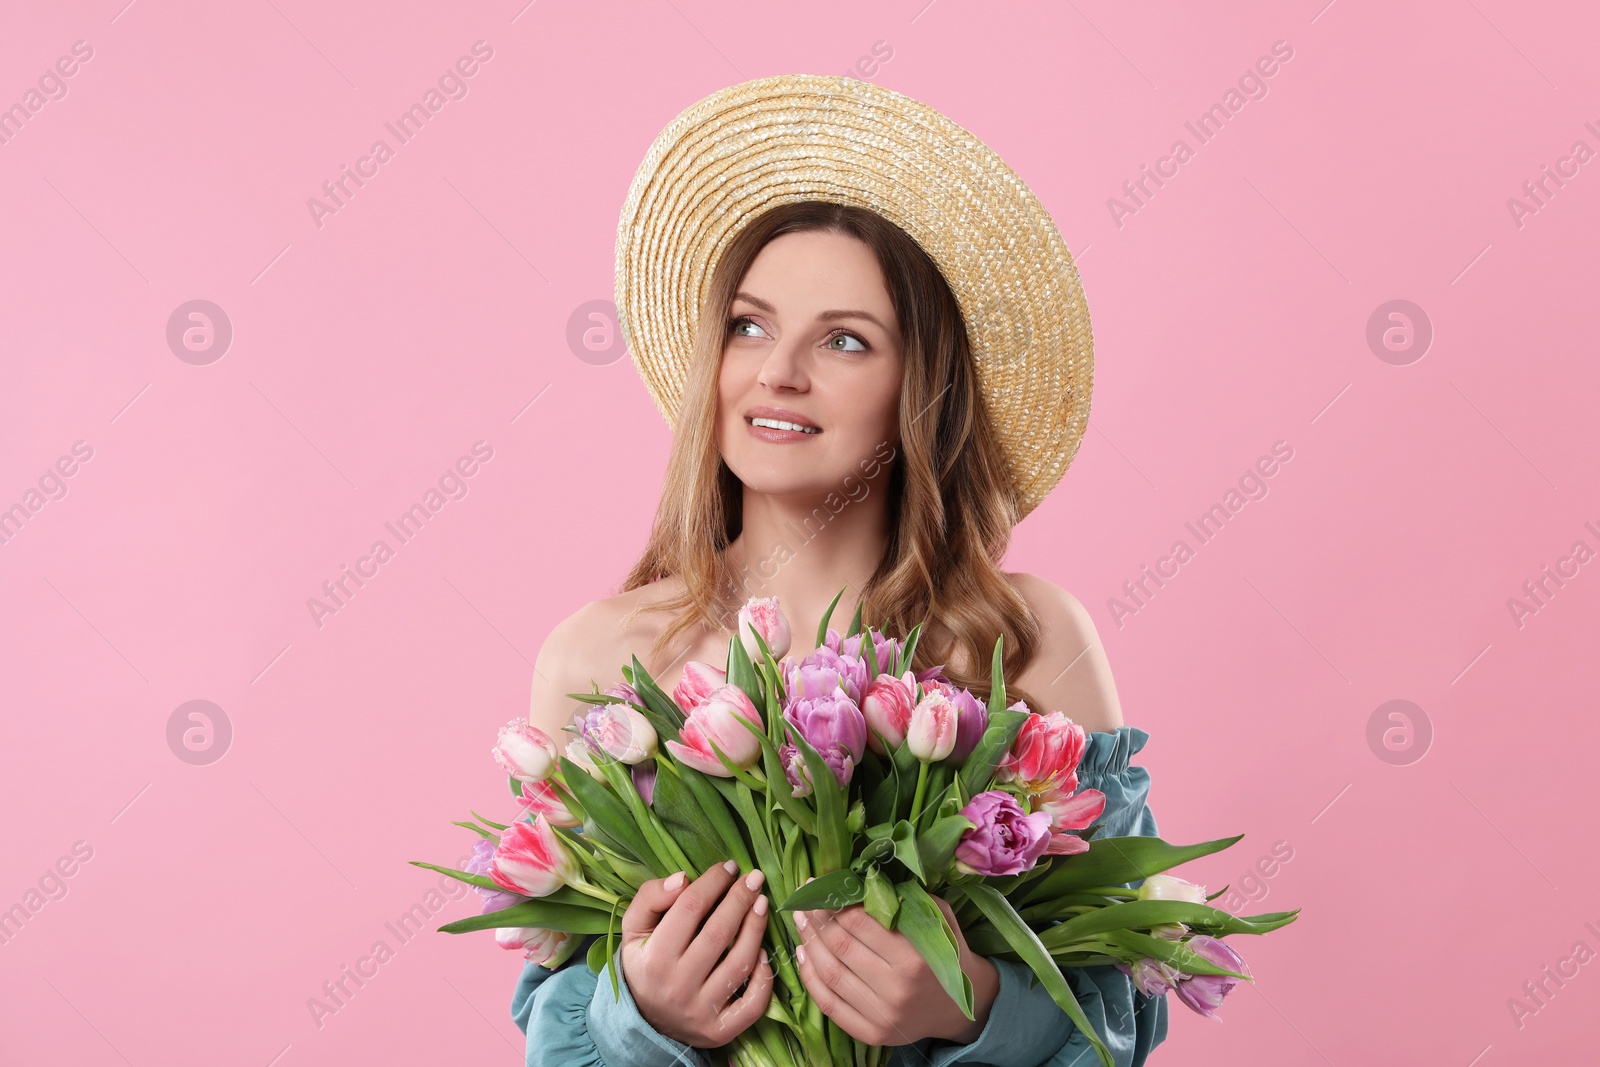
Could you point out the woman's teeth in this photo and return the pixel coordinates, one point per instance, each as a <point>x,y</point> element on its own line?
<point>779,424</point>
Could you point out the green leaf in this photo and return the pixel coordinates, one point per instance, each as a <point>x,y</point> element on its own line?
<point>837,889</point>
<point>904,839</point>
<point>488,822</point>
<point>1116,861</point>
<point>610,816</point>
<point>936,846</point>
<point>869,649</point>
<point>460,876</point>
<point>925,926</point>
<point>822,627</point>
<point>715,808</point>
<point>881,901</point>
<point>1143,914</point>
<point>599,952</point>
<point>1004,725</point>
<point>681,812</point>
<point>539,912</point>
<point>1176,953</point>
<point>475,828</point>
<point>516,787</point>
<point>876,850</point>
<point>855,620</point>
<point>662,711</point>
<point>997,679</point>
<point>997,909</point>
<point>857,817</point>
<point>908,654</point>
<point>742,672</point>
<point>833,840</point>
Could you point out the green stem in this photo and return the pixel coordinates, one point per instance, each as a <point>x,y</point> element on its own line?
<point>922,785</point>
<point>589,890</point>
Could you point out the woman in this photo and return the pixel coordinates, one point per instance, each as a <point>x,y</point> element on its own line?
<point>841,420</point>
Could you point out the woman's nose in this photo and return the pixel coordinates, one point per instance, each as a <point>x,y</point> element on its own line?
<point>784,367</point>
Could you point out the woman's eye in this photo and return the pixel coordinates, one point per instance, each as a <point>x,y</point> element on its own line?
<point>861,346</point>
<point>733,327</point>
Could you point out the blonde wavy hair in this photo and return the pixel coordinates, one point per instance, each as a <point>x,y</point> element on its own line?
<point>951,506</point>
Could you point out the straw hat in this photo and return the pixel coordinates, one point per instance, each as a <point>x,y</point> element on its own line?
<point>771,141</point>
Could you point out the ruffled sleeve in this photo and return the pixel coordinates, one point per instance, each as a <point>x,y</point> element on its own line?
<point>1026,1028</point>
<point>570,1017</point>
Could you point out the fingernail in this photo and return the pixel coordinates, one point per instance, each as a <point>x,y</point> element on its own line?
<point>800,953</point>
<point>755,879</point>
<point>763,955</point>
<point>675,883</point>
<point>760,905</point>
<point>808,881</point>
<point>799,920</point>
<point>731,867</point>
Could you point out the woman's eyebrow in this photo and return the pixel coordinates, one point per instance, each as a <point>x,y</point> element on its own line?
<point>824,316</point>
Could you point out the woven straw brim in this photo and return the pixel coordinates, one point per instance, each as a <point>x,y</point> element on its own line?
<point>772,141</point>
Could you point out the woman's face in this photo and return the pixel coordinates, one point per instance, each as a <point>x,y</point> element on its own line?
<point>811,339</point>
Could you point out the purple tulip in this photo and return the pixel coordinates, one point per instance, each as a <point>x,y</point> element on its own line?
<point>972,719</point>
<point>1201,992</point>
<point>644,780</point>
<point>482,859</point>
<point>1004,839</point>
<point>835,727</point>
<point>1204,992</point>
<point>884,649</point>
<point>850,670</point>
<point>1152,977</point>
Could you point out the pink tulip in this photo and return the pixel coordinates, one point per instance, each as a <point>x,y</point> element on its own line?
<point>887,706</point>
<point>699,681</point>
<point>548,948</point>
<point>931,732</point>
<point>531,859</point>
<point>524,751</point>
<point>540,798</point>
<point>1075,811</point>
<point>760,614</point>
<point>717,719</point>
<point>1045,755</point>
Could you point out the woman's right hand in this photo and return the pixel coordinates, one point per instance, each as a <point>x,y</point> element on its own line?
<point>674,967</point>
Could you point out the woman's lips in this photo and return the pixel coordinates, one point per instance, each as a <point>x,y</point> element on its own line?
<point>777,436</point>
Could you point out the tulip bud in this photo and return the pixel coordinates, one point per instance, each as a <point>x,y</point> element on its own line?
<point>1169,887</point>
<point>717,720</point>
<point>548,948</point>
<point>531,859</point>
<point>932,730</point>
<point>621,732</point>
<point>581,752</point>
<point>540,798</point>
<point>524,751</point>
<point>887,707</point>
<point>761,615</point>
<point>699,679</point>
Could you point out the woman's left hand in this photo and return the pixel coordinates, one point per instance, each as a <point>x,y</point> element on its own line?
<point>878,988</point>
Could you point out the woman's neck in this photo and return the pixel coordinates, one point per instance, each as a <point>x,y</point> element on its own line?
<point>804,551</point>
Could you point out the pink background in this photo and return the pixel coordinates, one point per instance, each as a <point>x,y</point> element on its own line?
<point>434,310</point>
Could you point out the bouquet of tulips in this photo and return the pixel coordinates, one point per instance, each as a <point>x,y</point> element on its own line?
<point>848,778</point>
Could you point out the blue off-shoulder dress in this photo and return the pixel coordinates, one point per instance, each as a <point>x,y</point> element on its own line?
<point>571,1018</point>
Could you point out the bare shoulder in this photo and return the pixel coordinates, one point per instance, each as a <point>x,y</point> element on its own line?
<point>584,649</point>
<point>1071,673</point>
